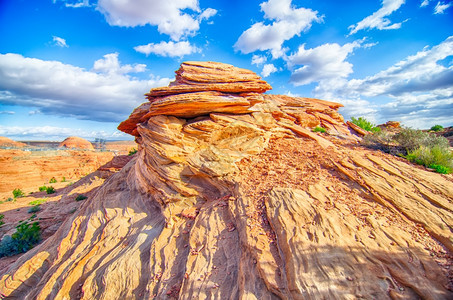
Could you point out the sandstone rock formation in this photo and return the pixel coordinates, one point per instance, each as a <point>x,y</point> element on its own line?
<point>232,196</point>
<point>7,142</point>
<point>74,142</point>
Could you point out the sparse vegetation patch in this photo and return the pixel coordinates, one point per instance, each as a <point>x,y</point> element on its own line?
<point>80,197</point>
<point>38,201</point>
<point>319,129</point>
<point>132,151</point>
<point>50,190</point>
<point>417,146</point>
<point>17,193</point>
<point>26,236</point>
<point>34,209</point>
<point>436,128</point>
<point>365,124</point>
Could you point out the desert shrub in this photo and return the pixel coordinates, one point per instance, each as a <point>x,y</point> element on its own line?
<point>381,140</point>
<point>365,124</point>
<point>438,158</point>
<point>412,139</point>
<point>1,220</point>
<point>34,209</point>
<point>437,128</point>
<point>132,151</point>
<point>319,129</point>
<point>10,199</point>
<point>53,180</point>
<point>80,197</point>
<point>43,188</point>
<point>38,201</point>
<point>25,237</point>
<point>50,190</point>
<point>63,179</point>
<point>17,193</point>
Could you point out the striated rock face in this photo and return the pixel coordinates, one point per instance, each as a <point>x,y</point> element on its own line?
<point>232,196</point>
<point>76,143</point>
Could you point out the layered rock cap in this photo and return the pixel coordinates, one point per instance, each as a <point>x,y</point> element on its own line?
<point>202,88</point>
<point>232,196</point>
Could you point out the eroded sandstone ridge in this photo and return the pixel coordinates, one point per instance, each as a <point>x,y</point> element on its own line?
<point>232,196</point>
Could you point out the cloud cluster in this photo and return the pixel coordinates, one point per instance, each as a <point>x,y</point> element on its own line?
<point>169,49</point>
<point>441,7</point>
<point>324,62</point>
<point>171,17</point>
<point>286,22</point>
<point>379,20</point>
<point>106,93</point>
<point>420,87</point>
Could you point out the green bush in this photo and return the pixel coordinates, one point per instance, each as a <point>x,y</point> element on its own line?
<point>43,188</point>
<point>411,139</point>
<point>441,169</point>
<point>38,201</point>
<point>438,158</point>
<point>25,237</point>
<point>319,129</point>
<point>132,151</point>
<point>365,124</point>
<point>50,190</point>
<point>81,197</point>
<point>53,180</point>
<point>1,220</point>
<point>417,146</point>
<point>63,179</point>
<point>17,193</point>
<point>34,209</point>
<point>437,128</point>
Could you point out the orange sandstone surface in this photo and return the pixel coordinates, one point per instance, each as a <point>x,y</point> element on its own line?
<point>232,196</point>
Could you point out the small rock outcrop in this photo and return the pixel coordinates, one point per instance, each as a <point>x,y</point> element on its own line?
<point>74,142</point>
<point>7,142</point>
<point>232,196</point>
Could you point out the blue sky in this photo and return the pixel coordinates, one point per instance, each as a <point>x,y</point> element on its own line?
<point>80,67</point>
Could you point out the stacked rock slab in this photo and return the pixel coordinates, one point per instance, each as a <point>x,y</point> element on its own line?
<point>202,88</point>
<point>232,196</point>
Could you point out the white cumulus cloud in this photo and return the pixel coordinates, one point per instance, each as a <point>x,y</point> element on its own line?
<point>379,20</point>
<point>106,93</point>
<point>268,69</point>
<point>286,22</point>
<point>258,59</point>
<point>324,62</point>
<point>176,18</point>
<point>60,42</point>
<point>111,64</point>
<point>170,49</point>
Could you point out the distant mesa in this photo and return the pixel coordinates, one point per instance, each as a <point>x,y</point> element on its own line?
<point>76,142</point>
<point>6,142</point>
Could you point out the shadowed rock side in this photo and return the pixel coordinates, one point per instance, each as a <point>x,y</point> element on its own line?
<point>236,198</point>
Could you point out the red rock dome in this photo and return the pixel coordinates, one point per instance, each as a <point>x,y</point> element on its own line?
<point>76,142</point>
